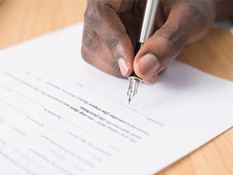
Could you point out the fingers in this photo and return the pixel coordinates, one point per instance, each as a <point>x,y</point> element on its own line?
<point>107,46</point>
<point>184,22</point>
<point>103,20</point>
<point>98,54</point>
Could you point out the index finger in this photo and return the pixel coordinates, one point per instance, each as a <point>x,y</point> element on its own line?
<point>102,18</point>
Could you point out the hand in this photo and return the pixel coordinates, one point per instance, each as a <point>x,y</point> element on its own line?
<point>111,30</point>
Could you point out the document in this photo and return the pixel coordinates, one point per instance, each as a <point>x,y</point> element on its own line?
<point>59,115</point>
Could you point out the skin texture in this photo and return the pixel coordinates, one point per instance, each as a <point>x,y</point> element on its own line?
<point>112,28</point>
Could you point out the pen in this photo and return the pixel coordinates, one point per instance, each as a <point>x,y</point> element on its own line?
<point>147,27</point>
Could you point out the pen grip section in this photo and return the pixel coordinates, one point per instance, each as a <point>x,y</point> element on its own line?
<point>137,48</point>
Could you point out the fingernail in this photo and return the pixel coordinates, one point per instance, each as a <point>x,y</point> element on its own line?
<point>123,66</point>
<point>148,65</point>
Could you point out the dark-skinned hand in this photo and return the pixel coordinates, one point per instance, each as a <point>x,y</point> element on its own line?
<point>112,28</point>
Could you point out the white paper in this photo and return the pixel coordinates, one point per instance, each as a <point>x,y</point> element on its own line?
<point>59,115</point>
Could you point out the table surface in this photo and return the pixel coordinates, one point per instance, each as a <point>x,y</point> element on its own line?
<point>21,20</point>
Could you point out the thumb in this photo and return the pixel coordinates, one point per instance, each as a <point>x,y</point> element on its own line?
<point>157,52</point>
<point>167,42</point>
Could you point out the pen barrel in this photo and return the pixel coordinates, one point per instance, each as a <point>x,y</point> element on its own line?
<point>149,19</point>
<point>137,48</point>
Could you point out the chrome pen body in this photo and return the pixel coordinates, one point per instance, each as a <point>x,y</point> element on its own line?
<point>146,30</point>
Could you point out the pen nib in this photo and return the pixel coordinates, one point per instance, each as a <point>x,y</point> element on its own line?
<point>129,100</point>
<point>133,87</point>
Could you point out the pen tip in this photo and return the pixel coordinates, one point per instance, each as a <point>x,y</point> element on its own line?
<point>129,101</point>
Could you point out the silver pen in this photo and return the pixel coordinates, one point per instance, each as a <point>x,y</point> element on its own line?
<point>147,28</point>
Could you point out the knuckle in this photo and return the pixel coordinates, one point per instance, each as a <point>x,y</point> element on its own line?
<point>170,45</point>
<point>165,41</point>
<point>115,39</point>
<point>91,40</point>
<point>91,16</point>
<point>171,42</point>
